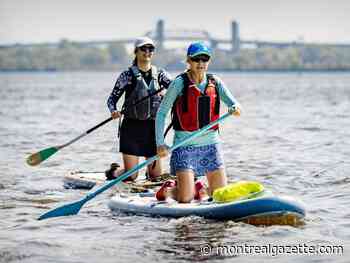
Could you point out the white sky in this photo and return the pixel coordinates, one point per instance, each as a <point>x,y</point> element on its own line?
<point>27,21</point>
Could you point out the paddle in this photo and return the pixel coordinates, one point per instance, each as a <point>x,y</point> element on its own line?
<point>38,157</point>
<point>73,208</point>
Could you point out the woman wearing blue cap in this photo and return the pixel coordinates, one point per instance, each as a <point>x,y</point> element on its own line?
<point>194,97</point>
<point>137,131</point>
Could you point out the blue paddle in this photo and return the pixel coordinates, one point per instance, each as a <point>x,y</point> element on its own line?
<point>73,208</point>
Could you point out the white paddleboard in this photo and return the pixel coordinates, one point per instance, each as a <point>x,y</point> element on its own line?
<point>264,205</point>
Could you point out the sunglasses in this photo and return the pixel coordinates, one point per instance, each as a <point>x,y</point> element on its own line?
<point>147,48</point>
<point>200,58</point>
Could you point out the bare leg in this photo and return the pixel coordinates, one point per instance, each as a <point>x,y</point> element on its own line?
<point>129,162</point>
<point>216,179</point>
<point>156,171</point>
<point>185,186</point>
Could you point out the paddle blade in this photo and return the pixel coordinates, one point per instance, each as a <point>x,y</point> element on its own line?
<point>65,210</point>
<point>37,158</point>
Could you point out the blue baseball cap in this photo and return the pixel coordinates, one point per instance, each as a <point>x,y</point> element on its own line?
<point>198,48</point>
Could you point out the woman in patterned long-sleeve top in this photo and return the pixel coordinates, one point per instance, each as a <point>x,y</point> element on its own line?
<point>137,132</point>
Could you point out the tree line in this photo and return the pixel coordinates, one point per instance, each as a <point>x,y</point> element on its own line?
<point>68,56</point>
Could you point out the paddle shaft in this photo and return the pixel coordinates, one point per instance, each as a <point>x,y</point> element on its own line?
<point>109,119</point>
<point>74,208</point>
<point>154,158</point>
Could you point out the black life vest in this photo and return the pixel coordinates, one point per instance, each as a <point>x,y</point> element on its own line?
<point>148,108</point>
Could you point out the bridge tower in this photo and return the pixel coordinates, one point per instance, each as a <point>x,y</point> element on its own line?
<point>160,34</point>
<point>235,40</point>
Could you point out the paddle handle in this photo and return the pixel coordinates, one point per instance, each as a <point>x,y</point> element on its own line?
<point>154,158</point>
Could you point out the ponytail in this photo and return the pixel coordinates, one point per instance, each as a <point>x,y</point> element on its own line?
<point>134,62</point>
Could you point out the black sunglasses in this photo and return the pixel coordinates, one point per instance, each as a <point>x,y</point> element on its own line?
<point>200,58</point>
<point>147,48</point>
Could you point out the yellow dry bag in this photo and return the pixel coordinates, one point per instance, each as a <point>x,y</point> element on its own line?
<point>235,191</point>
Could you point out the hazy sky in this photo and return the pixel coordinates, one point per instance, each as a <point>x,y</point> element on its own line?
<point>285,20</point>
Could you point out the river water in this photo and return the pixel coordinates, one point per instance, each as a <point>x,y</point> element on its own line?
<point>293,136</point>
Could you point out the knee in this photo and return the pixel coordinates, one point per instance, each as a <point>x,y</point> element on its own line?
<point>132,177</point>
<point>152,174</point>
<point>185,199</point>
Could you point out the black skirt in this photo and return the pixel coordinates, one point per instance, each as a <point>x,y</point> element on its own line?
<point>138,137</point>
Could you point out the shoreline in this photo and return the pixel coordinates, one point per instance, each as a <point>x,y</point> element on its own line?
<point>174,69</point>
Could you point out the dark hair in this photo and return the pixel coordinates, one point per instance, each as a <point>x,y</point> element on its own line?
<point>134,62</point>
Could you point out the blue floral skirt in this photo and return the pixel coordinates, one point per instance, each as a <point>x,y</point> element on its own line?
<point>199,159</point>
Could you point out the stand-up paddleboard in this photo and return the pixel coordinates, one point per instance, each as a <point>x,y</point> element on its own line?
<point>83,180</point>
<point>87,180</point>
<point>263,208</point>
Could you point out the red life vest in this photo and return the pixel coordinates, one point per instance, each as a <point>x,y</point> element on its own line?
<point>194,109</point>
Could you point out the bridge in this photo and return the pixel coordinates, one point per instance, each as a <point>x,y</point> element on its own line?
<point>161,35</point>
